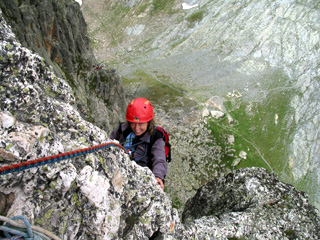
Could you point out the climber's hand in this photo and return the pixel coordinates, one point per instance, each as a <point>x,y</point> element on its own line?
<point>159,181</point>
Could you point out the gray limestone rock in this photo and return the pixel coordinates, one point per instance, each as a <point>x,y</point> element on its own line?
<point>252,204</point>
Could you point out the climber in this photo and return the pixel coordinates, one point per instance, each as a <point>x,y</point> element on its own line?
<point>97,66</point>
<point>142,142</point>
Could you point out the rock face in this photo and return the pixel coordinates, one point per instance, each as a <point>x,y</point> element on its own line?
<point>104,195</point>
<point>250,204</point>
<point>56,30</point>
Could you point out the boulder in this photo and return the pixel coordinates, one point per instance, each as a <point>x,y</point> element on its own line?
<point>217,114</point>
<point>250,204</point>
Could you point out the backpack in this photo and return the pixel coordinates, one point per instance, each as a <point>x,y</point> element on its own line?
<point>165,136</point>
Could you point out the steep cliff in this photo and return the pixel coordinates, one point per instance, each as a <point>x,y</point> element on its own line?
<point>56,30</point>
<point>104,195</point>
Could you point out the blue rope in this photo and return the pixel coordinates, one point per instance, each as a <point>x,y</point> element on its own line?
<point>26,233</point>
<point>7,230</point>
<point>27,236</point>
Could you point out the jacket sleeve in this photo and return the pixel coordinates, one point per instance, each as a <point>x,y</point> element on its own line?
<point>115,134</point>
<point>159,163</point>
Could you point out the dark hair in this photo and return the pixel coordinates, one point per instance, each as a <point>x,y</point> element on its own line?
<point>151,126</point>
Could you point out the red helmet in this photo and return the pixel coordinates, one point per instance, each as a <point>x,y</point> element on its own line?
<point>139,110</point>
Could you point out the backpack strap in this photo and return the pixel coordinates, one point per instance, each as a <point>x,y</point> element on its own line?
<point>165,137</point>
<point>155,136</point>
<point>124,133</point>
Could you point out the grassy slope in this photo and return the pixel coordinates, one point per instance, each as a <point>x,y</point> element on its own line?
<point>143,84</point>
<point>261,128</point>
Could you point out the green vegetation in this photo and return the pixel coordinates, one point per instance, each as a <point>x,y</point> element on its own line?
<point>142,8</point>
<point>110,24</point>
<point>261,129</point>
<point>120,11</point>
<point>195,17</point>
<point>93,83</point>
<point>235,238</point>
<point>178,42</point>
<point>9,46</point>
<point>221,133</point>
<point>162,5</point>
<point>8,146</point>
<point>176,202</point>
<point>291,234</point>
<point>145,85</point>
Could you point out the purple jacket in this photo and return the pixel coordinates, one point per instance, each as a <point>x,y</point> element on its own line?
<point>154,158</point>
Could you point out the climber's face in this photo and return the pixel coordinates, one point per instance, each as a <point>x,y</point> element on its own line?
<point>139,128</point>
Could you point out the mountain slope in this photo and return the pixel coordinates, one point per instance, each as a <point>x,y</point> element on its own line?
<point>267,51</point>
